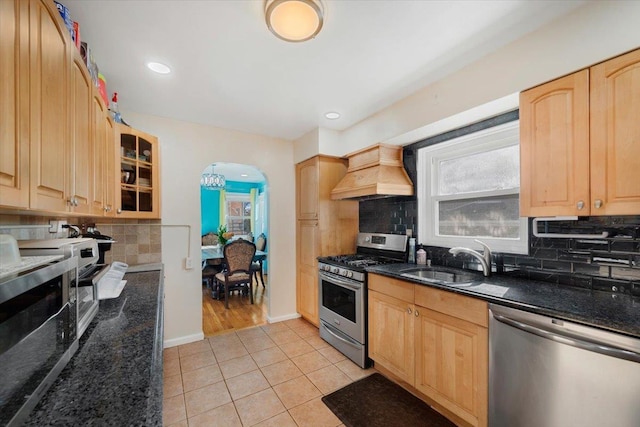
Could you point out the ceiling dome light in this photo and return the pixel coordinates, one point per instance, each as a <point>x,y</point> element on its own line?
<point>158,68</point>
<point>294,20</point>
<point>332,115</point>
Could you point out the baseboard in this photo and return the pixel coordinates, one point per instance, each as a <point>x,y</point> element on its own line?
<point>183,340</point>
<point>282,318</point>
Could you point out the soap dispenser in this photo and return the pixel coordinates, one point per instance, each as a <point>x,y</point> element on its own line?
<point>421,256</point>
<point>412,251</point>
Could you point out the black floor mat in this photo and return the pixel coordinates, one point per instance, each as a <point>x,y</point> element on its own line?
<point>375,401</point>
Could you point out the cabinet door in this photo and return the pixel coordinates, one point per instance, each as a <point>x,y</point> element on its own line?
<point>50,61</point>
<point>82,163</point>
<point>452,363</point>
<point>391,331</point>
<point>138,195</point>
<point>14,104</point>
<point>615,136</point>
<point>307,270</point>
<point>307,189</point>
<point>110,168</point>
<point>554,147</point>
<point>99,153</point>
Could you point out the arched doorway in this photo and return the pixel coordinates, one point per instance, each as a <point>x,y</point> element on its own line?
<point>234,196</point>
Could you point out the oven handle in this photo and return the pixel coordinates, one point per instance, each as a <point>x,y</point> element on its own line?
<point>356,286</point>
<point>353,344</point>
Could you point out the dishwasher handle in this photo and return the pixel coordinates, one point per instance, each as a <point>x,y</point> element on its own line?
<point>570,340</point>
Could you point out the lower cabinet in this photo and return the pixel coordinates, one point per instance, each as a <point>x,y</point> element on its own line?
<point>307,270</point>
<point>436,343</point>
<point>391,326</point>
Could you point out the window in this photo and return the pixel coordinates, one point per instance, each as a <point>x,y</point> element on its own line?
<point>469,189</point>
<point>238,213</point>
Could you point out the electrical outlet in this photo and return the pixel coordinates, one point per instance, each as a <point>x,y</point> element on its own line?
<point>60,224</point>
<point>188,263</point>
<point>53,226</point>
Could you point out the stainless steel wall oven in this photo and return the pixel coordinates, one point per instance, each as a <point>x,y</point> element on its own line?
<point>38,334</point>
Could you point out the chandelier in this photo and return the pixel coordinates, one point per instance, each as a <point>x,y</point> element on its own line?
<point>212,181</point>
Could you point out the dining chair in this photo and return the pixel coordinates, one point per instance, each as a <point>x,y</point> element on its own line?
<point>238,256</point>
<point>256,266</point>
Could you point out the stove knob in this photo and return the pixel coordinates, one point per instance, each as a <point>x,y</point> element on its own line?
<point>349,274</point>
<point>335,270</point>
<point>326,268</point>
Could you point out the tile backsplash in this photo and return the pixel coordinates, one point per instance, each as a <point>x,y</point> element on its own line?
<point>138,241</point>
<point>608,264</point>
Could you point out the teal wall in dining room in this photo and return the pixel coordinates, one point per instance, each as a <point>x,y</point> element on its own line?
<point>210,202</point>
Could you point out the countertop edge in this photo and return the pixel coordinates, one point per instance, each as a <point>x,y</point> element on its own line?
<point>154,404</point>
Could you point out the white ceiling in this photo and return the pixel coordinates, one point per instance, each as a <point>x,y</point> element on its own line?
<point>230,71</point>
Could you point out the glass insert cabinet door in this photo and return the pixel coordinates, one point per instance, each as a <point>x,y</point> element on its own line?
<point>139,180</point>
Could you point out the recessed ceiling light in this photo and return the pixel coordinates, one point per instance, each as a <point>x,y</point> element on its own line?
<point>244,174</point>
<point>332,115</point>
<point>159,68</point>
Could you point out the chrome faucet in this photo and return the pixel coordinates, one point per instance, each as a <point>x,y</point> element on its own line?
<point>484,258</point>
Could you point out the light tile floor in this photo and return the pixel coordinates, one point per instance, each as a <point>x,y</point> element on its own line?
<point>271,375</point>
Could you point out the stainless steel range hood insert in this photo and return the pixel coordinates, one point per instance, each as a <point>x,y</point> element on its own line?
<point>376,171</point>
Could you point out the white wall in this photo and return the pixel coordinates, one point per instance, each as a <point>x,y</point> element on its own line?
<point>186,149</point>
<point>591,34</point>
<point>306,146</point>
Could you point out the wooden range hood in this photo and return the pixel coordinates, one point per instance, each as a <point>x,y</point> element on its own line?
<point>374,172</point>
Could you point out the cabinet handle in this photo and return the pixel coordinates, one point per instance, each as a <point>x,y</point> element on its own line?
<point>409,310</point>
<point>597,204</point>
<point>416,313</point>
<point>119,211</point>
<point>580,205</point>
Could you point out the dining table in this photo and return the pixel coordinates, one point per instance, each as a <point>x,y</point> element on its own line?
<point>215,252</point>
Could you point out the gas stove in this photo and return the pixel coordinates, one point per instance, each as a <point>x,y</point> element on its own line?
<point>372,249</point>
<point>342,282</point>
<point>358,260</point>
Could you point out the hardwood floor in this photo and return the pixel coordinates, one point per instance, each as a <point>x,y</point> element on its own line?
<point>241,313</point>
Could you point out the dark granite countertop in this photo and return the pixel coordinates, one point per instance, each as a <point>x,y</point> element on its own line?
<point>615,312</point>
<point>115,377</point>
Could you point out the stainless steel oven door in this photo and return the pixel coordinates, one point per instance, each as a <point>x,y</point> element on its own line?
<point>341,302</point>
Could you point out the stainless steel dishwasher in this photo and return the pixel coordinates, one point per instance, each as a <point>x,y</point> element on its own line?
<point>545,372</point>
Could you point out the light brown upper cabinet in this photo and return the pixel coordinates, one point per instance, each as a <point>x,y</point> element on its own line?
<point>111,168</point>
<point>58,145</point>
<point>307,191</point>
<point>615,136</point>
<point>80,182</point>
<point>14,104</point>
<point>49,96</point>
<point>579,142</point>
<point>138,194</point>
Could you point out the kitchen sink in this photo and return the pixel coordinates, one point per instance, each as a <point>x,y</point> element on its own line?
<point>442,275</point>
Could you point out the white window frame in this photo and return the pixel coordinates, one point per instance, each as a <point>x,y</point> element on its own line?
<point>428,213</point>
<point>235,197</point>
